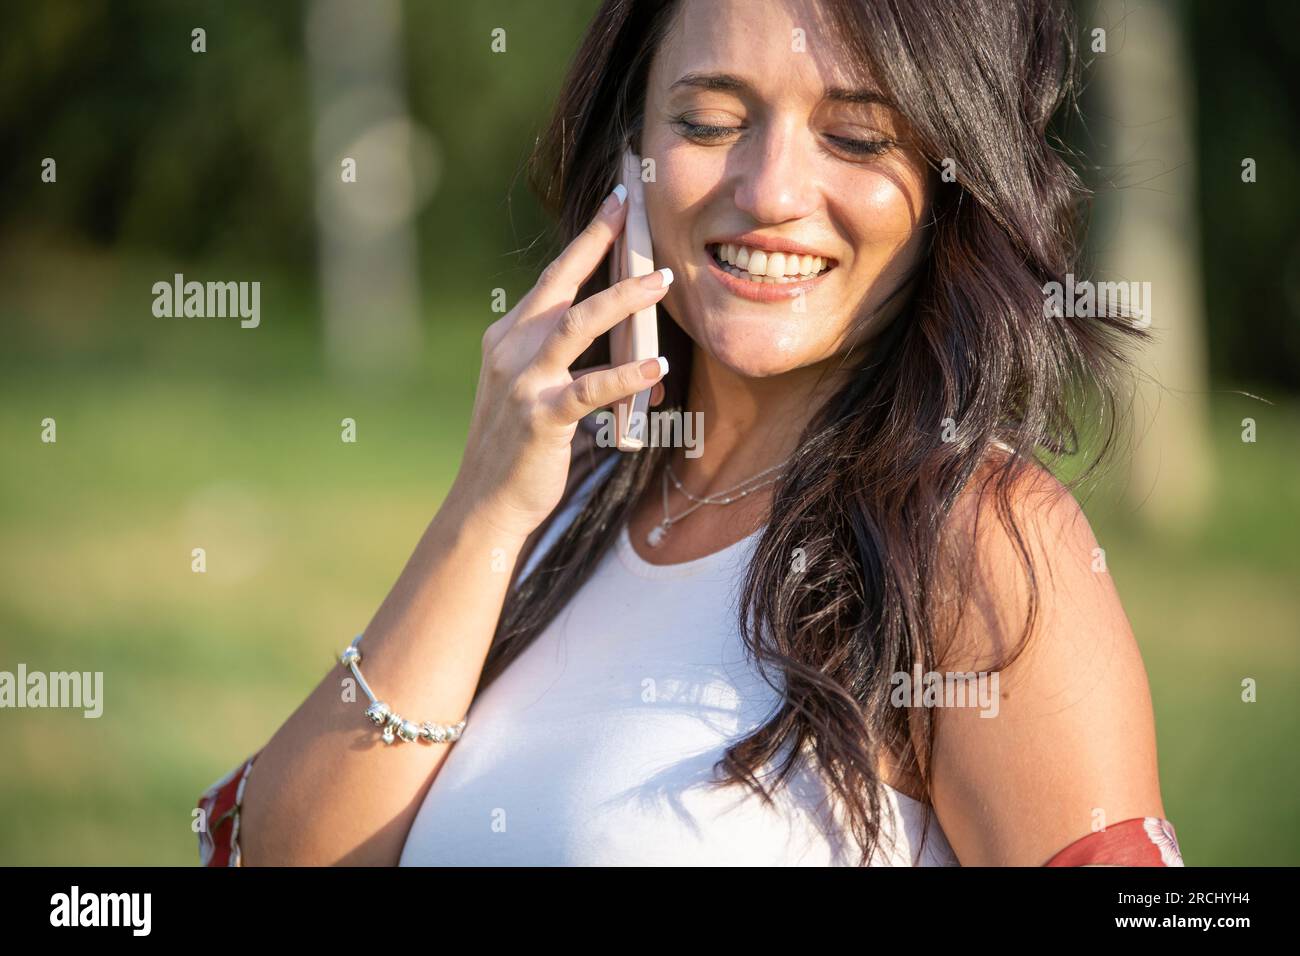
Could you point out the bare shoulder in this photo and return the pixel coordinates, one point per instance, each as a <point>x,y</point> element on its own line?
<point>1014,535</point>
<point>1071,741</point>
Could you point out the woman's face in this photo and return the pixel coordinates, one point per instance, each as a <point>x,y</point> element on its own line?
<point>754,147</point>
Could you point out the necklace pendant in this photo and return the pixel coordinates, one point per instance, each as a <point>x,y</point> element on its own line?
<point>656,535</point>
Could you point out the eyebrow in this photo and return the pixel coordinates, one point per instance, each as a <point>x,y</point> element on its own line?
<point>730,83</point>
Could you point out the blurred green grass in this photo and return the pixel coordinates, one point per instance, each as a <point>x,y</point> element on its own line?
<point>174,435</point>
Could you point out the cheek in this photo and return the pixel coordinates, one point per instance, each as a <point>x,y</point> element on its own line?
<point>684,180</point>
<point>887,221</point>
<point>887,214</point>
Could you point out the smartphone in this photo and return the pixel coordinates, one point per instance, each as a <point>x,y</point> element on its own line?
<point>636,337</point>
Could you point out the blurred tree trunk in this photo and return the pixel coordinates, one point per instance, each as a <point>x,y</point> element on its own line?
<point>1150,234</point>
<point>367,243</point>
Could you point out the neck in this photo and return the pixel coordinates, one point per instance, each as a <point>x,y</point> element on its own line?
<point>749,423</point>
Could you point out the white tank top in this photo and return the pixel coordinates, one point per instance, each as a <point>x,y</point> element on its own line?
<point>596,745</point>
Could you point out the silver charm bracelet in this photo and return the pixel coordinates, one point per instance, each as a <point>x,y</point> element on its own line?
<point>396,727</point>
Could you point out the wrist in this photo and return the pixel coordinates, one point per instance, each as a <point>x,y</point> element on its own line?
<point>478,522</point>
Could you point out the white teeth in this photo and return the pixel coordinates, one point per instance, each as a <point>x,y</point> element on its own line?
<point>759,265</point>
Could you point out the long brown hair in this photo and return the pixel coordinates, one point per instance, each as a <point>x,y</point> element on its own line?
<point>866,500</point>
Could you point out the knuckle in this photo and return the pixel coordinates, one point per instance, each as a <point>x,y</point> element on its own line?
<point>630,379</point>
<point>630,295</point>
<point>491,336</point>
<point>536,417</point>
<point>572,322</point>
<point>520,393</point>
<point>497,362</point>
<point>584,391</point>
<point>550,276</point>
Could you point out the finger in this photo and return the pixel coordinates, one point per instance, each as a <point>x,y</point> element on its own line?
<point>585,252</point>
<point>656,393</point>
<point>579,325</point>
<point>585,395</point>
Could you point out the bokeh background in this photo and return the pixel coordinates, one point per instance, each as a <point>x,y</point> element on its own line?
<point>174,434</point>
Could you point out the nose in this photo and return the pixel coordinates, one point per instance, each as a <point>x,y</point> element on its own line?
<point>775,177</point>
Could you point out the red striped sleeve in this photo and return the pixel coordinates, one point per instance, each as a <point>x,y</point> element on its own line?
<point>220,803</point>
<point>1142,841</point>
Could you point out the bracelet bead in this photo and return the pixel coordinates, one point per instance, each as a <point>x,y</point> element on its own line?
<point>395,726</point>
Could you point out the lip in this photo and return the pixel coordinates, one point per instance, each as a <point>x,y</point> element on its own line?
<point>762,291</point>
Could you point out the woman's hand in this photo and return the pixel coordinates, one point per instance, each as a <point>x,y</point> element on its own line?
<point>528,404</point>
<point>427,642</point>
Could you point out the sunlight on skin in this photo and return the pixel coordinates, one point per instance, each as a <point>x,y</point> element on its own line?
<point>783,159</point>
<point>768,150</point>
<point>782,169</point>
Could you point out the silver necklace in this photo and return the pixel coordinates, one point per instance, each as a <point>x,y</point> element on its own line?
<point>720,498</point>
<point>730,495</point>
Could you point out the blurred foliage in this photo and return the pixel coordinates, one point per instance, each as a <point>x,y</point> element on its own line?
<point>208,155</point>
<point>1247,87</point>
<point>158,147</point>
<point>305,534</point>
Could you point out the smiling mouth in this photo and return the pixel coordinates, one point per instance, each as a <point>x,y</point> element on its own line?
<point>763,267</point>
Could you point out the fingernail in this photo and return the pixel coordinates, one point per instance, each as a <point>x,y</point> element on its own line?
<point>654,369</point>
<point>615,199</point>
<point>659,279</point>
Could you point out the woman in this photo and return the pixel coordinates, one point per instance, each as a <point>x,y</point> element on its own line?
<point>722,654</point>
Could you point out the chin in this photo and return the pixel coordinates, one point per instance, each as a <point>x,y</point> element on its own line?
<point>759,348</point>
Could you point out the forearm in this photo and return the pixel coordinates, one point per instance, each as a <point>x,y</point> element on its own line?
<point>325,789</point>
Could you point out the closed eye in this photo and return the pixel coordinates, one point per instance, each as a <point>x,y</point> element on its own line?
<point>696,131</point>
<point>862,147</point>
<point>856,147</point>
